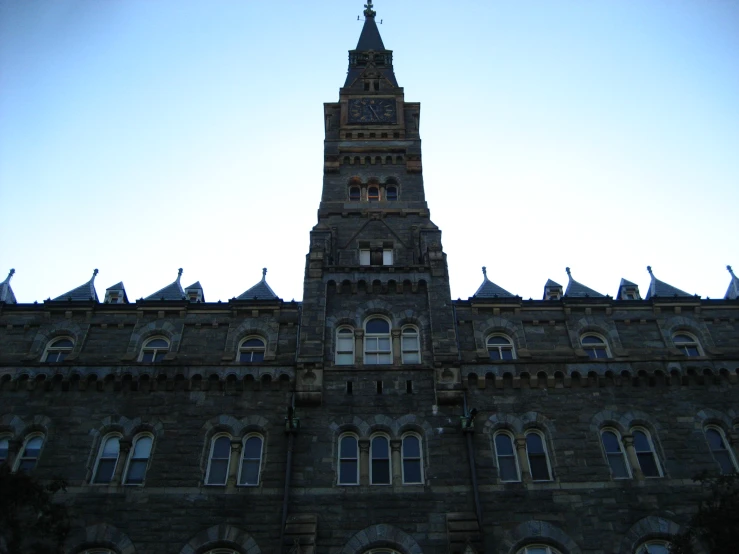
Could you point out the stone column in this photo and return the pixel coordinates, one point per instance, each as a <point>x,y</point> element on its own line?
<point>523,459</point>
<point>358,346</point>
<point>124,447</point>
<point>628,441</point>
<point>395,446</point>
<point>397,355</point>
<point>233,464</point>
<point>364,461</point>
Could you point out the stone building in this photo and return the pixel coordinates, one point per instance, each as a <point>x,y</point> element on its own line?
<point>377,415</point>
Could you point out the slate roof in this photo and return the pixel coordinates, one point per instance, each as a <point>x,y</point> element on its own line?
<point>488,289</point>
<point>623,284</point>
<point>118,287</point>
<point>732,293</point>
<point>6,293</point>
<point>370,39</point>
<point>578,290</point>
<point>83,293</point>
<point>197,286</point>
<point>661,289</point>
<point>173,291</point>
<point>260,291</point>
<point>551,283</point>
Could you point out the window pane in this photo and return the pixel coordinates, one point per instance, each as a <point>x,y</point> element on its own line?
<point>618,466</point>
<point>147,357</point>
<point>348,447</point>
<point>105,470</point>
<point>142,448</point>
<point>257,356</point>
<point>539,467</point>
<point>380,472</point>
<point>503,445</point>
<point>348,472</point>
<point>494,354</point>
<point>412,471</point>
<point>253,448</point>
<point>507,468</point>
<point>4,445</point>
<point>384,359</point>
<point>378,326</point>
<point>724,460</point>
<point>682,338</point>
<point>136,472</point>
<point>218,472</point>
<point>364,257</point>
<point>610,442</point>
<point>383,344</point>
<point>387,257</point>
<point>411,358</point>
<point>344,359</point>
<point>499,340</point>
<point>253,343</point>
<point>380,448</point>
<point>648,464</point>
<point>507,353</point>
<point>63,343</point>
<point>534,444</point>
<point>250,472</point>
<point>592,340</point>
<point>222,448</point>
<point>411,447</point>
<point>691,351</point>
<point>392,193</point>
<point>111,448</point>
<point>157,343</point>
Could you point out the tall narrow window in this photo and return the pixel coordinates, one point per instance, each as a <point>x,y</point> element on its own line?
<point>506,455</point>
<point>348,460</point>
<point>380,461</point>
<point>154,350</point>
<point>615,454</point>
<point>645,453</point>
<point>30,453</point>
<point>373,194</point>
<point>387,256</point>
<point>500,347</point>
<point>136,472</point>
<point>720,450</point>
<point>345,346</point>
<point>107,459</point>
<point>411,454</point>
<point>409,345</point>
<point>354,194</point>
<point>251,349</point>
<point>687,344</point>
<point>251,461</point>
<point>364,257</point>
<point>218,462</point>
<point>4,449</point>
<point>58,350</point>
<point>595,346</point>
<point>377,344</point>
<point>391,193</point>
<point>538,460</point>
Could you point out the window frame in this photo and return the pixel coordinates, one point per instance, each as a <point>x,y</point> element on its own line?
<point>358,195</point>
<point>340,458</point>
<point>155,351</point>
<point>242,459</point>
<point>527,548</point>
<point>131,459</point>
<point>52,349</point>
<point>389,458</point>
<point>377,337</point>
<point>643,547</point>
<point>251,350</point>
<point>99,458</point>
<point>213,440</point>
<point>652,451</point>
<point>391,197</point>
<point>20,457</point>
<point>510,347</point>
<point>338,352</point>
<point>550,475</point>
<point>5,437</point>
<point>622,450</point>
<point>410,332</point>
<point>372,197</point>
<point>403,458</point>
<point>514,455</point>
<point>683,346</point>
<point>595,347</point>
<point>727,447</point>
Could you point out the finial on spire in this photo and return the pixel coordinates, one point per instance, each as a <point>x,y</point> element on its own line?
<point>649,269</point>
<point>179,274</point>
<point>94,274</point>
<point>12,272</point>
<point>485,272</point>
<point>264,273</point>
<point>369,12</point>
<point>569,274</point>
<point>727,267</point>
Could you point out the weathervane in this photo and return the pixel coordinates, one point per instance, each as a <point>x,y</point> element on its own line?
<point>369,12</point>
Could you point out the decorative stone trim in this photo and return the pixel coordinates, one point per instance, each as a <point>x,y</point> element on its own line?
<point>221,536</point>
<point>537,531</point>
<point>379,536</point>
<point>100,535</point>
<point>650,527</point>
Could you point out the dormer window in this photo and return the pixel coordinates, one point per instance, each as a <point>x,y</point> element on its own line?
<point>58,349</point>
<point>113,298</point>
<point>154,350</point>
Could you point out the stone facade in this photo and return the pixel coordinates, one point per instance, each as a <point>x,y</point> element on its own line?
<point>373,257</point>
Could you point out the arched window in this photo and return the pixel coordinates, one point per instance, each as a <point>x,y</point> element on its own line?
<point>500,347</point>
<point>354,194</point>
<point>410,348</point>
<point>4,449</point>
<point>381,551</point>
<point>251,349</point>
<point>721,452</point>
<point>391,193</point>
<point>218,461</point>
<point>97,551</point>
<point>30,453</point>
<point>154,350</point>
<point>687,344</point>
<point>538,460</point>
<point>379,460</point>
<point>373,194</point>
<point>615,454</point>
<point>251,460</point>
<point>107,459</point>
<point>58,349</point>
<point>377,343</point>
<point>645,453</point>
<point>506,456</point>
<point>412,460</point>
<point>595,346</point>
<point>139,460</point>
<point>538,549</point>
<point>654,547</point>
<point>348,460</point>
<point>344,346</point>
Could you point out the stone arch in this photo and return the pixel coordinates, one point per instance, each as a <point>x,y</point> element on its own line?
<point>536,420</point>
<point>350,423</point>
<point>633,418</point>
<point>157,327</point>
<point>681,323</point>
<point>221,535</point>
<point>225,423</point>
<point>598,325</point>
<point>58,329</point>
<point>709,416</point>
<point>503,421</point>
<point>12,424</point>
<point>650,527</point>
<point>609,418</point>
<point>382,423</point>
<point>411,422</point>
<point>380,535</point>
<point>498,324</point>
<point>267,330</point>
<point>254,423</point>
<point>99,535</point>
<point>537,531</point>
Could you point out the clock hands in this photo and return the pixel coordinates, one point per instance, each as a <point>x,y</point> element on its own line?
<point>373,111</point>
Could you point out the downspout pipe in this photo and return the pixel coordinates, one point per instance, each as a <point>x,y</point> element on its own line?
<point>292,424</point>
<point>468,429</point>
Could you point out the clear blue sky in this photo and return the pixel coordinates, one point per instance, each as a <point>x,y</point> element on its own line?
<point>139,136</point>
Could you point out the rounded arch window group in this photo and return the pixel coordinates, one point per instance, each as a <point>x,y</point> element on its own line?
<point>377,344</point>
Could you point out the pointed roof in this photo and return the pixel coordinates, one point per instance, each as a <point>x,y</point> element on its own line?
<point>551,283</point>
<point>82,293</point>
<point>362,62</point>
<point>662,289</point>
<point>6,293</point>
<point>173,291</point>
<point>625,284</point>
<point>578,290</point>
<point>370,38</point>
<point>118,287</point>
<point>260,291</point>
<point>732,293</point>
<point>488,289</point>
<point>195,287</point>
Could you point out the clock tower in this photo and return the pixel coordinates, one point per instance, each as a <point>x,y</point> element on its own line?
<point>374,251</point>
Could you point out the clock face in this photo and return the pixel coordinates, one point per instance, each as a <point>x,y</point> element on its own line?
<point>372,110</point>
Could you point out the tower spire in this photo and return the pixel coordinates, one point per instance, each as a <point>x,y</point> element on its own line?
<point>368,11</point>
